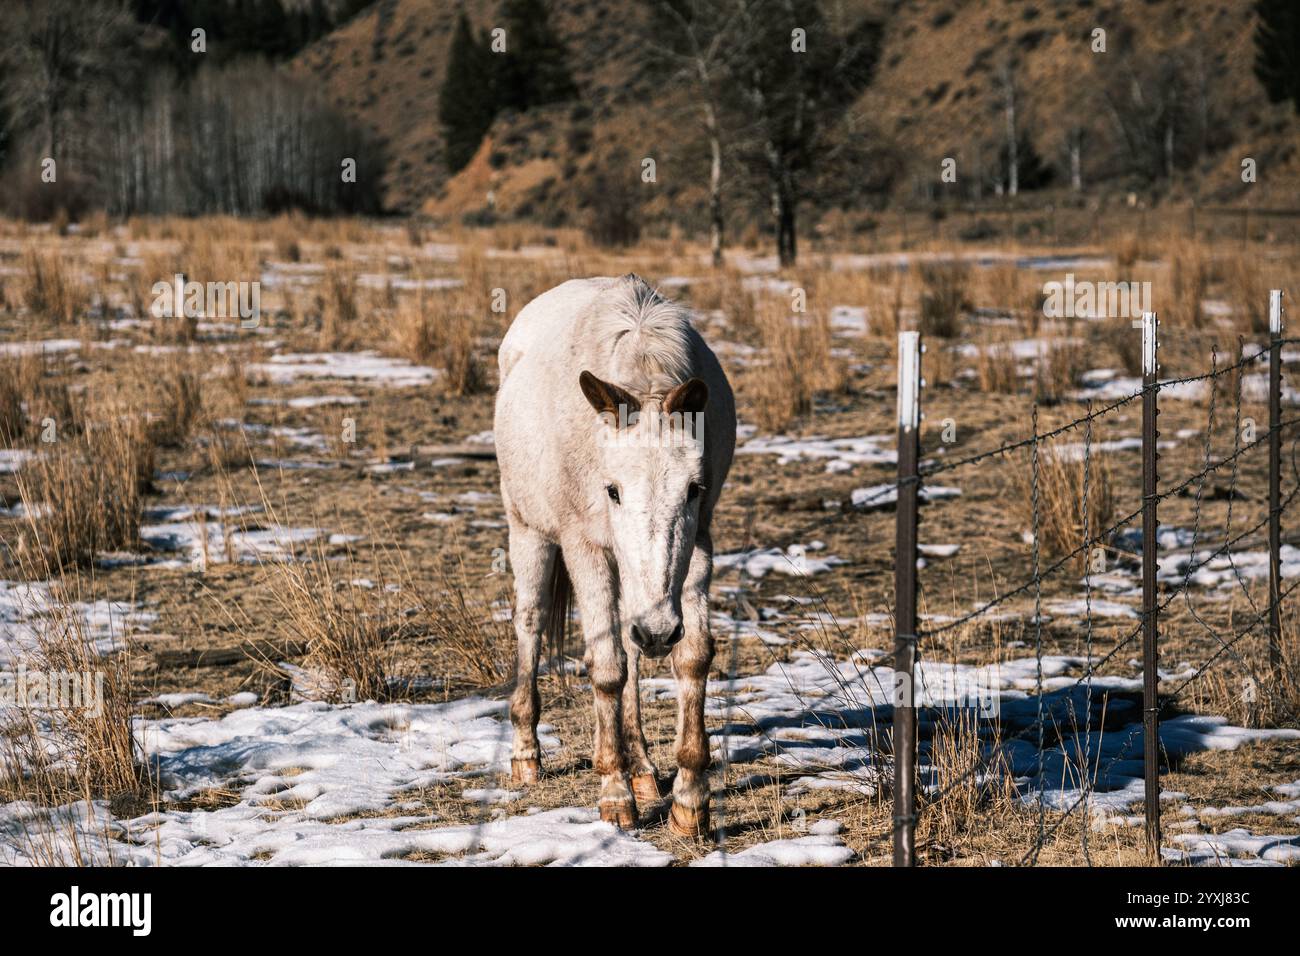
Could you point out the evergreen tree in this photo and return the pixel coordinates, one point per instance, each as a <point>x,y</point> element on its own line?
<point>1277,50</point>
<point>533,70</point>
<point>466,105</point>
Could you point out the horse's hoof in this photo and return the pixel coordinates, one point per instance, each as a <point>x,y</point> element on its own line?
<point>621,813</point>
<point>688,822</point>
<point>645,787</point>
<point>525,771</point>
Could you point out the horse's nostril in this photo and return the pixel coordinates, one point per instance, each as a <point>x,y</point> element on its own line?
<point>638,636</point>
<point>676,635</point>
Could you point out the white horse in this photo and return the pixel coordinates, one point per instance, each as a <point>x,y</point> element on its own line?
<point>615,428</point>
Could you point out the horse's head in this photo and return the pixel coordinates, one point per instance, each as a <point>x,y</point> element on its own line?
<point>651,488</point>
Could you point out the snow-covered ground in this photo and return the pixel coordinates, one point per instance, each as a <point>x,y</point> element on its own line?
<point>317,783</point>
<point>370,368</point>
<point>840,454</point>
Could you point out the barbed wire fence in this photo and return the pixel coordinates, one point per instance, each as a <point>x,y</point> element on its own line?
<point>910,639</point>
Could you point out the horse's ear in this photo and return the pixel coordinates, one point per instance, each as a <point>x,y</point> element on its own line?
<point>606,397</point>
<point>690,396</point>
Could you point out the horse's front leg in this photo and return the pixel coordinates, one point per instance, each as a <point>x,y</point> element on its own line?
<point>691,659</point>
<point>533,559</point>
<point>595,591</point>
<point>645,778</point>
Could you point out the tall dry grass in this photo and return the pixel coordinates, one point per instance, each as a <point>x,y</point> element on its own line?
<point>441,331</point>
<point>337,308</point>
<point>85,750</point>
<point>349,631</point>
<point>799,364</point>
<point>1058,369</point>
<point>83,495</point>
<point>996,369</point>
<point>1060,498</point>
<point>64,752</point>
<point>175,404</point>
<point>20,380</point>
<point>724,292</point>
<point>49,288</point>
<point>1190,275</point>
<point>971,787</point>
<point>1125,343</point>
<point>455,616</point>
<point>945,297</point>
<point>885,297</point>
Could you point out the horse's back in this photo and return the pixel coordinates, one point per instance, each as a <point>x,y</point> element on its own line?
<point>544,327</point>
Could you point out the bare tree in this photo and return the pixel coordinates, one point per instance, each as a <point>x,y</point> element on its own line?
<point>1074,146</point>
<point>796,77</point>
<point>1161,106</point>
<point>1007,78</point>
<point>701,45</point>
<point>58,54</point>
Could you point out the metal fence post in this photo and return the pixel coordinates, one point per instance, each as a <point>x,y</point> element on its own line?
<point>909,380</point>
<point>1274,482</point>
<point>1150,657</point>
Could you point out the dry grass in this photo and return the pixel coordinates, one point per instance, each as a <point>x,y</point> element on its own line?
<point>479,648</point>
<point>83,495</point>
<point>455,351</point>
<point>1129,249</point>
<point>799,365</point>
<point>725,293</point>
<point>348,630</point>
<point>1060,499</point>
<point>175,404</point>
<point>20,379</point>
<point>1002,287</point>
<point>1058,369</point>
<point>944,297</point>
<point>48,288</point>
<point>966,797</point>
<point>413,329</point>
<point>83,750</point>
<point>885,302</point>
<point>996,369</point>
<point>1125,343</point>
<point>1188,284</point>
<point>74,745</point>
<point>337,310</point>
<point>1246,284</point>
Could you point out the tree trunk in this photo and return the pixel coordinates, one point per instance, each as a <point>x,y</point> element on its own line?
<point>715,189</point>
<point>787,249</point>
<point>1076,175</point>
<point>1013,160</point>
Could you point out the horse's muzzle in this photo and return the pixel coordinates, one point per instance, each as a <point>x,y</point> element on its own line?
<point>656,644</point>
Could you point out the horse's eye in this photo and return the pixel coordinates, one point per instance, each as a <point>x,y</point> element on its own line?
<point>692,491</point>
<point>612,491</point>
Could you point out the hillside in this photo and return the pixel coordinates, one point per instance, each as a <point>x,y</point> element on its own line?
<point>937,93</point>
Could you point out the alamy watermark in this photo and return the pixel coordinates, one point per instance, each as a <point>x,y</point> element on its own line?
<point>53,690</point>
<point>208,300</point>
<point>655,429</point>
<point>1085,299</point>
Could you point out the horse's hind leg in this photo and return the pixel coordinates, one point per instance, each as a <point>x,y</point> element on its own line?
<point>691,659</point>
<point>532,558</point>
<point>645,778</point>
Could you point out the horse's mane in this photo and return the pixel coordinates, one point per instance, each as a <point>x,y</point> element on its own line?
<point>650,336</point>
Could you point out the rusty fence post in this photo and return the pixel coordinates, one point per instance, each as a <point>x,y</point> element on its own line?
<point>1150,612</point>
<point>905,516</point>
<point>1274,484</point>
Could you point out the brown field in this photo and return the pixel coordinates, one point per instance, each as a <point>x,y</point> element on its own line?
<point>407,579</point>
